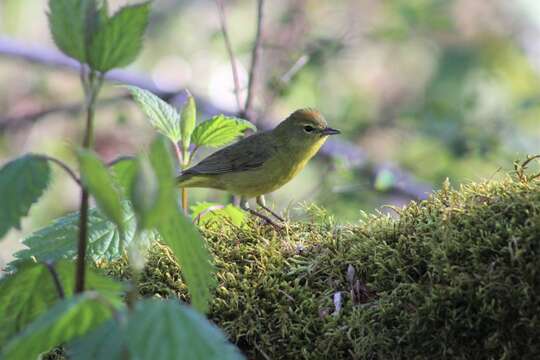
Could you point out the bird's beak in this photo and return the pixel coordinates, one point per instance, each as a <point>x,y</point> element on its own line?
<point>329,131</point>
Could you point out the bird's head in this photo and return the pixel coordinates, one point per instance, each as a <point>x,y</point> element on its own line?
<point>305,127</point>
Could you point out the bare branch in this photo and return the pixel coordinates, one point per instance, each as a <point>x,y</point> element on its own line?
<point>255,56</point>
<point>232,59</point>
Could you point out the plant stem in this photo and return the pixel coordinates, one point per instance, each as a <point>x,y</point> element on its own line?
<point>92,88</point>
<point>183,161</point>
<point>63,165</point>
<point>56,279</point>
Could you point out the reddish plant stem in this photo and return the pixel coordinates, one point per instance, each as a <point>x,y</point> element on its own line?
<point>91,87</point>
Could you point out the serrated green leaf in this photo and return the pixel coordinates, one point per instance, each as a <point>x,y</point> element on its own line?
<point>100,184</point>
<point>180,333</point>
<point>118,42</point>
<point>30,291</point>
<point>22,182</point>
<point>66,320</point>
<point>59,240</point>
<point>208,214</point>
<point>220,130</point>
<point>163,117</point>
<point>187,124</point>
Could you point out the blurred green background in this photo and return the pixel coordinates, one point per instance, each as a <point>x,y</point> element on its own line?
<point>423,90</point>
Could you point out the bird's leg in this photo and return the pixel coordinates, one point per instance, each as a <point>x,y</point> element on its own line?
<point>244,205</point>
<point>262,203</point>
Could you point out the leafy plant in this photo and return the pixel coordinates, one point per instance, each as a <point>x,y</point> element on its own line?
<point>181,128</point>
<point>53,294</point>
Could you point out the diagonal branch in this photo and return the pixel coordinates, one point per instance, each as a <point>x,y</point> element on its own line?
<point>232,59</point>
<point>255,56</point>
<point>353,156</point>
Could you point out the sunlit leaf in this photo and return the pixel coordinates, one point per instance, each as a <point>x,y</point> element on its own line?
<point>189,116</point>
<point>22,182</point>
<point>220,130</point>
<point>163,117</point>
<point>208,214</point>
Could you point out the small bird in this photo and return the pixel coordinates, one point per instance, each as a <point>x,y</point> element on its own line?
<point>263,162</point>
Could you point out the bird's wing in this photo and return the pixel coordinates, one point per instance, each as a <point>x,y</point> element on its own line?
<point>247,154</point>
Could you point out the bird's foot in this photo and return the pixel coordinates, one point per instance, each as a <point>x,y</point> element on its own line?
<point>266,219</point>
<point>274,214</point>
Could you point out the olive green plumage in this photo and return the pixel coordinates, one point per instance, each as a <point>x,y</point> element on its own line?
<point>265,161</point>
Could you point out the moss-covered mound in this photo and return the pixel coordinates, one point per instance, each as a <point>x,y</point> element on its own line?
<point>455,276</point>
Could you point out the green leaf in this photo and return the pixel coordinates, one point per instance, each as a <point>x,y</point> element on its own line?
<point>156,329</point>
<point>144,194</point>
<point>30,291</point>
<point>178,232</point>
<point>71,23</point>
<point>220,130</point>
<point>59,240</point>
<point>100,184</point>
<point>180,333</point>
<point>123,170</point>
<point>22,182</point>
<point>191,253</point>
<point>212,214</point>
<point>118,42</point>
<point>163,117</point>
<point>104,342</point>
<point>189,115</point>
<point>66,320</point>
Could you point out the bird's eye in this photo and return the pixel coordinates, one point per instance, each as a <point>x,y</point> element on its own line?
<point>308,128</point>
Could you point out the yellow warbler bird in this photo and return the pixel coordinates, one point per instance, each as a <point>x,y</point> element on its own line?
<point>263,162</point>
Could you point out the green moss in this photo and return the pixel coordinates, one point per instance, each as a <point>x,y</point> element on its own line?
<point>455,276</point>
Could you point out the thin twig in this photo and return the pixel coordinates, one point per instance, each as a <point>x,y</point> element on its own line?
<point>232,59</point>
<point>63,165</point>
<point>255,56</point>
<point>56,279</point>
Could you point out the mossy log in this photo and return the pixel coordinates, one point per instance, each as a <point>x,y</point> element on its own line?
<point>454,276</point>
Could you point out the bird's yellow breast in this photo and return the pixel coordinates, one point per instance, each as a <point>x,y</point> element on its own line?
<point>273,174</point>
